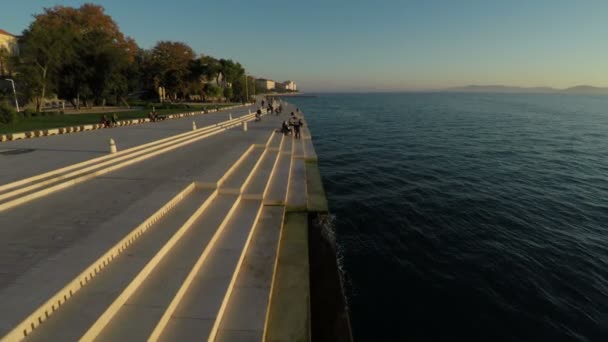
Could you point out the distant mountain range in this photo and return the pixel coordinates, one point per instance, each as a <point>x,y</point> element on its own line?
<point>582,89</point>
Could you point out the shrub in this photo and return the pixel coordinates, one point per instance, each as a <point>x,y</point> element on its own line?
<point>8,114</point>
<point>28,113</point>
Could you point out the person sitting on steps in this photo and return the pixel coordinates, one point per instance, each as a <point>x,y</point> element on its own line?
<point>285,128</point>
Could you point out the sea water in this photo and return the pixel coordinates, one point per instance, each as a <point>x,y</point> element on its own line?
<point>468,217</point>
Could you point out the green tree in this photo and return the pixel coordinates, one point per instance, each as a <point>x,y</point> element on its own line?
<point>213,91</point>
<point>168,65</point>
<point>79,52</point>
<point>228,93</point>
<point>46,47</point>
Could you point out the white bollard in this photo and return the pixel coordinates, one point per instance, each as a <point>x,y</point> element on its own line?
<point>244,126</point>
<point>112,146</point>
<point>193,125</point>
<point>229,116</point>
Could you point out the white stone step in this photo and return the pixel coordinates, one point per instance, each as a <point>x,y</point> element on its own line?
<point>258,184</point>
<point>309,150</point>
<point>305,132</point>
<point>275,141</point>
<point>74,318</point>
<point>195,314</point>
<point>286,146</point>
<point>298,148</point>
<point>145,307</point>
<point>296,195</point>
<point>235,181</point>
<point>277,192</point>
<point>245,314</point>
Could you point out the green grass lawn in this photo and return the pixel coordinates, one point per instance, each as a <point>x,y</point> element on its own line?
<point>56,121</point>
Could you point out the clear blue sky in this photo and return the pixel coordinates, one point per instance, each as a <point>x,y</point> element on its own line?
<point>375,45</point>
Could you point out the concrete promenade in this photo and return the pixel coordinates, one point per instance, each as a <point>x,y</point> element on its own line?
<point>124,251</point>
<point>55,151</point>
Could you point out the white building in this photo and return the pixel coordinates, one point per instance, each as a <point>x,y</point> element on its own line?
<point>290,85</point>
<point>266,84</point>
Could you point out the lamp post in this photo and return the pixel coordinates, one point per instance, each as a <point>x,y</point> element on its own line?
<point>14,93</point>
<point>246,89</point>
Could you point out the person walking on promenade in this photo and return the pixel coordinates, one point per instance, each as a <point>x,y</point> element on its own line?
<point>114,120</point>
<point>295,122</point>
<point>296,127</point>
<point>104,121</point>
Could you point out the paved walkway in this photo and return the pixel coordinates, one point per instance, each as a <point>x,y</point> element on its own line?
<point>97,213</point>
<point>51,240</point>
<point>52,152</point>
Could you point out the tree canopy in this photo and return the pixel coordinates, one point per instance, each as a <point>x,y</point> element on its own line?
<point>80,54</point>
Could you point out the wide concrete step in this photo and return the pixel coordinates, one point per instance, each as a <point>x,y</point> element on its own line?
<point>296,195</point>
<point>245,314</point>
<point>277,191</point>
<point>237,178</point>
<point>309,150</point>
<point>287,145</point>
<point>146,306</point>
<point>23,191</point>
<point>259,183</point>
<point>205,297</point>
<point>289,309</point>
<point>72,319</point>
<point>275,141</point>
<point>305,132</point>
<point>298,148</point>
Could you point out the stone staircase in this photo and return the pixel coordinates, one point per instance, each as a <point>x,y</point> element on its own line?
<point>225,261</point>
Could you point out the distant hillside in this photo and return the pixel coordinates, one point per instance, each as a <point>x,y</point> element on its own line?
<point>585,89</point>
<point>582,89</point>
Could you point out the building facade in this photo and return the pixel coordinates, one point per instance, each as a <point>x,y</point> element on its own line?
<point>290,85</point>
<point>280,86</point>
<point>266,84</point>
<point>9,46</point>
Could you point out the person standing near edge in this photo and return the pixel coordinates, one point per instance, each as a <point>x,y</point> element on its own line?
<point>296,123</point>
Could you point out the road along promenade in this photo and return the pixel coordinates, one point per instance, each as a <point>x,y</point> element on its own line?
<point>188,232</point>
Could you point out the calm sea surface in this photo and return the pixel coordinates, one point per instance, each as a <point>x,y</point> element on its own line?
<point>468,217</point>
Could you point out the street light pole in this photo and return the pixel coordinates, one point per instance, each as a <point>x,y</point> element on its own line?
<point>246,89</point>
<point>14,93</point>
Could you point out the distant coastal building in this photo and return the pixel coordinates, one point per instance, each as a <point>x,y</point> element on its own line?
<point>278,86</point>
<point>266,84</point>
<point>9,46</point>
<point>290,85</point>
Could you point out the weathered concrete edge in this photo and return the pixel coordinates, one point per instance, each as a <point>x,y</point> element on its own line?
<point>316,199</point>
<point>289,310</point>
<point>82,128</point>
<point>288,316</point>
<point>329,315</point>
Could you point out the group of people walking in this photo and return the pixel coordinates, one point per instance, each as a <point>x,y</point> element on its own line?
<point>294,122</point>
<point>271,105</point>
